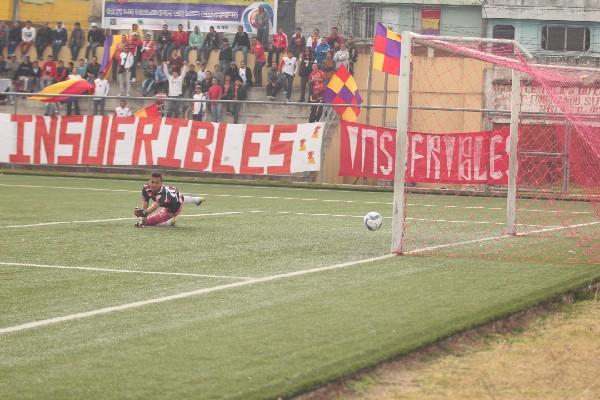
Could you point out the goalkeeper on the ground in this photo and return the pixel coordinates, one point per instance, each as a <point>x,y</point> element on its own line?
<point>167,203</point>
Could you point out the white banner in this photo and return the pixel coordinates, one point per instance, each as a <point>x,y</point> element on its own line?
<point>163,142</point>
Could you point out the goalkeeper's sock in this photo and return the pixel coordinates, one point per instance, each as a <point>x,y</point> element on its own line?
<point>192,199</point>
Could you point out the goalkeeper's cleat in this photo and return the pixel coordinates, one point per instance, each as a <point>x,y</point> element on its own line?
<point>139,225</point>
<point>200,201</point>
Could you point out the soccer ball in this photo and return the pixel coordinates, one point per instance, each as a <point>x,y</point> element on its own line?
<point>373,221</point>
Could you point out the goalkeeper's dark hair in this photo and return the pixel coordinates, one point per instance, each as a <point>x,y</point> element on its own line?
<point>156,174</point>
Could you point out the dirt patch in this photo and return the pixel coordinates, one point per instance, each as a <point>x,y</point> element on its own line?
<point>547,352</point>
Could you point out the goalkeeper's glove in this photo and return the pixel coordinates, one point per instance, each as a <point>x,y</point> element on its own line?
<point>140,212</point>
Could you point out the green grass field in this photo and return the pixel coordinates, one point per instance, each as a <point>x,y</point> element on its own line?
<point>261,292</point>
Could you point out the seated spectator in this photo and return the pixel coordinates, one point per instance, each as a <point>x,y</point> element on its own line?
<point>122,110</point>
<point>101,89</point>
<point>37,74</point>
<point>76,41</point>
<point>353,52</point>
<point>4,31</point>
<point>62,73</point>
<point>321,51</point>
<point>231,71</point>
<point>27,38</point>
<point>275,81</point>
<point>342,57</point>
<point>43,39</point>
<point>218,73</point>
<point>245,74</point>
<point>24,75</point>
<point>215,92</point>
<point>313,40</point>
<point>260,60</point>
<point>189,81</point>
<point>279,44</point>
<point>160,80</point>
<point>164,43</point>
<point>2,65</point>
<point>14,37</point>
<point>149,78</point>
<point>239,93</point>
<point>195,41</point>
<point>148,50</point>
<point>175,61</point>
<point>11,66</point>
<point>211,42</point>
<point>199,106</point>
<point>226,55</point>
<point>49,75</point>
<point>59,38</point>
<point>241,42</point>
<point>297,43</point>
<point>92,70</point>
<point>82,68</point>
<point>179,39</point>
<point>95,39</point>
<point>206,82</point>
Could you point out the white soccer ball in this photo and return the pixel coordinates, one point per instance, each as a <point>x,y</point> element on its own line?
<point>373,221</point>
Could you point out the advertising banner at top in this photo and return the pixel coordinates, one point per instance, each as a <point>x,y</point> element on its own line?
<point>224,15</point>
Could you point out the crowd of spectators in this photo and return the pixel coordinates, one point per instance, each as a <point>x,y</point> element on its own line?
<point>163,59</point>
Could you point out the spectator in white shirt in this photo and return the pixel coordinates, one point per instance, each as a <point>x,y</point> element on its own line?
<point>175,89</point>
<point>245,74</point>
<point>199,107</point>
<point>125,64</point>
<point>27,38</point>
<point>122,110</point>
<point>101,88</point>
<point>288,69</point>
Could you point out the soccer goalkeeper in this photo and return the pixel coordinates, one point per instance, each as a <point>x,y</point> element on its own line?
<point>167,203</point>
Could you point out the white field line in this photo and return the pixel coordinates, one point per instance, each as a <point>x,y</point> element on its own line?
<point>312,199</point>
<point>122,271</point>
<point>137,304</point>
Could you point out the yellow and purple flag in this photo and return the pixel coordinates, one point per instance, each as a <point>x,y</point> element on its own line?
<point>111,44</point>
<point>71,86</point>
<point>386,50</point>
<point>430,20</point>
<point>342,89</point>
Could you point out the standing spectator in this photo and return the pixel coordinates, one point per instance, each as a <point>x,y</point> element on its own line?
<point>59,38</point>
<point>211,42</point>
<point>328,66</point>
<point>315,80</point>
<point>92,70</point>
<point>241,42</point>
<point>2,65</point>
<point>73,102</point>
<point>335,48</point>
<point>189,81</point>
<point>95,39</point>
<point>297,43</point>
<point>125,64</point>
<point>49,73</point>
<point>24,74</point>
<point>117,57</point>
<point>231,71</point>
<point>206,82</point>
<point>353,52</point>
<point>77,40</point>
<point>226,55</point>
<point>342,57</point>
<point>227,93</point>
<point>218,73</point>
<point>305,65</point>
<point>175,61</point>
<point>27,38</point>
<point>134,42</point>
<point>179,39</point>
<point>321,51</point>
<point>245,74</point>
<point>275,81</point>
<point>164,43</point>
<point>101,88</point>
<point>11,66</point>
<point>195,40</point>
<point>279,45</point>
<point>43,39</point>
<point>334,37</point>
<point>137,30</point>
<point>316,111</point>
<point>148,50</point>
<point>239,93</point>
<point>262,26</point>
<point>82,68</point>
<point>198,107</point>
<point>37,74</point>
<point>215,92</point>
<point>289,65</point>
<point>313,40</point>
<point>14,37</point>
<point>160,79</point>
<point>122,110</point>
<point>4,32</point>
<point>175,90</point>
<point>62,72</point>
<point>260,60</point>
<point>201,74</point>
<point>149,77</point>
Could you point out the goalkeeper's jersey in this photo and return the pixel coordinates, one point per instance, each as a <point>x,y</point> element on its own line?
<point>167,197</point>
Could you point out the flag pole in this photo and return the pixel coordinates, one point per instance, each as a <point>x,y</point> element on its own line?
<point>399,202</point>
<point>369,80</point>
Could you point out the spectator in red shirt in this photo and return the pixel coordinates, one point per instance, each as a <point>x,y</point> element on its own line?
<point>260,60</point>
<point>334,37</point>
<point>134,43</point>
<point>179,38</point>
<point>279,45</point>
<point>176,61</point>
<point>148,49</point>
<point>215,92</point>
<point>48,72</point>
<point>297,43</point>
<point>315,80</point>
<point>61,71</point>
